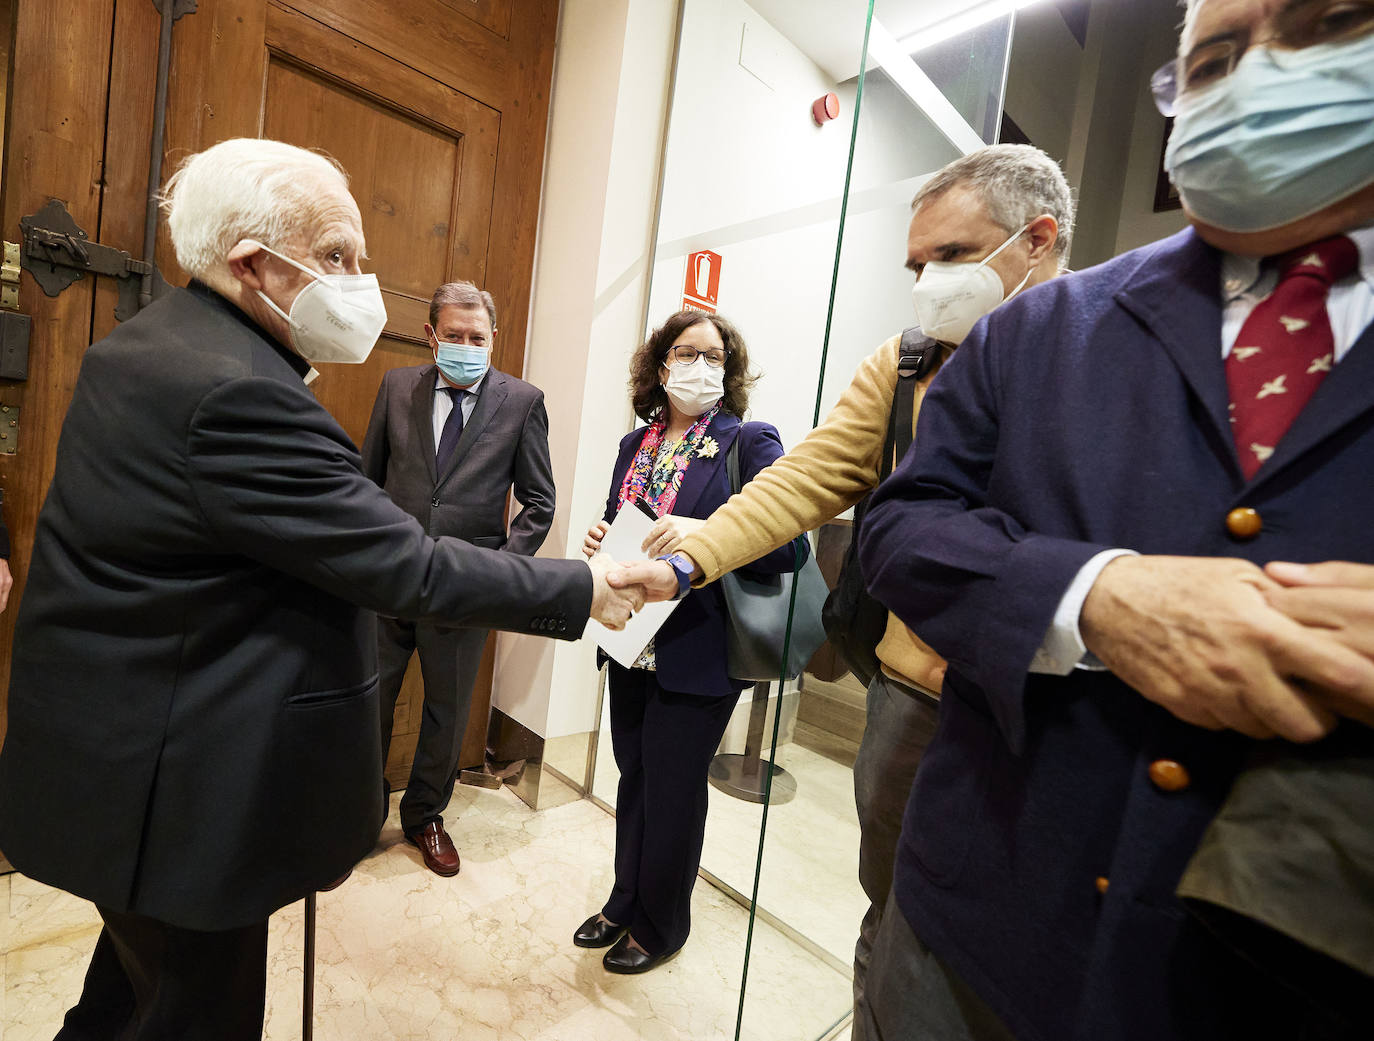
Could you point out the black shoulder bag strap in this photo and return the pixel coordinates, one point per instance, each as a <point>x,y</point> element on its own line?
<point>854,621</point>
<point>916,357</point>
<point>732,463</point>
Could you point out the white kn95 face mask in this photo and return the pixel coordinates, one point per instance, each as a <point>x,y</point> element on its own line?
<point>950,296</point>
<point>334,319</point>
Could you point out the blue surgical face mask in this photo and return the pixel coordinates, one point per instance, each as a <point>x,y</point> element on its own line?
<point>1287,133</point>
<point>463,363</point>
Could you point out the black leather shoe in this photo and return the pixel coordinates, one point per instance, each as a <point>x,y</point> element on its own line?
<point>597,932</point>
<point>629,961</point>
<point>336,883</point>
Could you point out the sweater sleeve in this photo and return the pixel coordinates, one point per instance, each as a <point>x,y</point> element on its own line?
<point>834,467</point>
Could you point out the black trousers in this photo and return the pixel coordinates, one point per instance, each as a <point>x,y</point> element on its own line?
<point>899,726</point>
<point>150,981</point>
<point>449,662</point>
<point>663,746</point>
<point>913,994</point>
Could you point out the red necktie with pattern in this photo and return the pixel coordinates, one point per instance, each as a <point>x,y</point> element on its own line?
<point>1285,348</point>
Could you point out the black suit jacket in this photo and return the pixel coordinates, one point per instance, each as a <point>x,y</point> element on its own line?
<point>193,705</point>
<point>504,443</point>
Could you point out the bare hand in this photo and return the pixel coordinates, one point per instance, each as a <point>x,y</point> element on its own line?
<point>667,532</point>
<point>591,545</point>
<point>1198,636</point>
<point>1336,597</point>
<point>612,607</point>
<point>6,580</point>
<point>656,577</point>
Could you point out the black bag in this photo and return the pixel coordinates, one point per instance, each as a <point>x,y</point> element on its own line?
<point>762,619</point>
<point>854,621</point>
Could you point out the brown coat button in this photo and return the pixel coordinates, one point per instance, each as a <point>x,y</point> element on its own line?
<point>1169,776</point>
<point>1102,883</point>
<point>1244,523</point>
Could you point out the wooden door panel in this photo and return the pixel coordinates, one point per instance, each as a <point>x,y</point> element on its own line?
<point>133,82</point>
<point>54,149</point>
<point>436,108</point>
<point>456,51</point>
<point>512,74</point>
<point>490,14</point>
<point>406,204</point>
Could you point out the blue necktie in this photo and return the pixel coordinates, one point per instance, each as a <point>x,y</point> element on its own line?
<point>453,430</point>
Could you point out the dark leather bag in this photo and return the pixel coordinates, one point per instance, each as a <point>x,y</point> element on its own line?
<point>763,621</point>
<point>854,621</point>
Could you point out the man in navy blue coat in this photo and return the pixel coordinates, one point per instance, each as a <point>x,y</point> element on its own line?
<point>1080,533</point>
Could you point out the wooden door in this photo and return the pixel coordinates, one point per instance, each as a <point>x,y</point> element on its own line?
<point>436,108</point>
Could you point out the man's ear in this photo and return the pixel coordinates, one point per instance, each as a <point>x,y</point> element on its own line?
<point>1043,233</point>
<point>245,263</point>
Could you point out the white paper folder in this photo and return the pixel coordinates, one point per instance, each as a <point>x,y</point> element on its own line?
<point>622,542</point>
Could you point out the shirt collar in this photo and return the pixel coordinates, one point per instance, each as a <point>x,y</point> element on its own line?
<point>1239,274</point>
<point>440,386</point>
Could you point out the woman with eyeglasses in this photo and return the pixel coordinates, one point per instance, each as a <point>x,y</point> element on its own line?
<point>690,382</point>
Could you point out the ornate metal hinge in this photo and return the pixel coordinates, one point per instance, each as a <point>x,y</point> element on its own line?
<point>57,252</point>
<point>9,278</point>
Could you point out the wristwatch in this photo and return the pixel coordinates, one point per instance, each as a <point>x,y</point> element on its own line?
<point>683,568</point>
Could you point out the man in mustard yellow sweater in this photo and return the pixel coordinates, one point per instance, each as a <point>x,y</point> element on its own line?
<point>982,229</point>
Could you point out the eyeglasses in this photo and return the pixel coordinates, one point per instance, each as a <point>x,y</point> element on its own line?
<point>1298,27</point>
<point>684,355</point>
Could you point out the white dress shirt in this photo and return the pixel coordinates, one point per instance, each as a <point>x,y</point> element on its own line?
<point>1245,281</point>
<point>443,404</point>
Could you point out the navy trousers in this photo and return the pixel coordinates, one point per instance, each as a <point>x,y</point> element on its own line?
<point>663,745</point>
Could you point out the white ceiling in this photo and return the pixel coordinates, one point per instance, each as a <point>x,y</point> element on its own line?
<point>831,32</point>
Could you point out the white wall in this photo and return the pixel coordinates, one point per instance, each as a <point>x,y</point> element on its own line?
<point>750,175</point>
<point>1091,109</point>
<point>614,59</point>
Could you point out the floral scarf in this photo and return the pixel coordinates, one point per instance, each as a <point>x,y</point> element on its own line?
<point>657,482</point>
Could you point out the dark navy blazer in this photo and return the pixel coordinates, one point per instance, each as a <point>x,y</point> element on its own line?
<point>690,648</point>
<point>1089,413</point>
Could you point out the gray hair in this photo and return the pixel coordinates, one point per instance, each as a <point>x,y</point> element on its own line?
<point>1189,18</point>
<point>1017,183</point>
<point>243,188</point>
<point>464,295</point>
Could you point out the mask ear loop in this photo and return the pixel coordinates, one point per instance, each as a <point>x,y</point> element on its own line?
<point>294,263</point>
<point>1022,284</point>
<point>282,256</point>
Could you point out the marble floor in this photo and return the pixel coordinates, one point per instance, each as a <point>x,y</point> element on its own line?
<point>403,954</point>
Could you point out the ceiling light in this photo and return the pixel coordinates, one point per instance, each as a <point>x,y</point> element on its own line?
<point>975,14</point>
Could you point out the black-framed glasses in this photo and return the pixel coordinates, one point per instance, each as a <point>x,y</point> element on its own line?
<point>685,355</point>
<point>1296,28</point>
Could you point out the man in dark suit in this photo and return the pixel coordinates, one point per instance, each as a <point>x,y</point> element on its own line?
<point>192,736</point>
<point>1083,529</point>
<point>448,441</point>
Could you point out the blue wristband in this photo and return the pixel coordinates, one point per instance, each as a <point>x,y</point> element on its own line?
<point>682,567</point>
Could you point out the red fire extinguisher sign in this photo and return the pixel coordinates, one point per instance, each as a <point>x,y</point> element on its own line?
<point>701,282</point>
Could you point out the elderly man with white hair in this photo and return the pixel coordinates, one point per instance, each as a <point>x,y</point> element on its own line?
<point>192,736</point>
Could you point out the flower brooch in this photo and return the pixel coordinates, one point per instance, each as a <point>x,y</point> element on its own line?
<point>708,448</point>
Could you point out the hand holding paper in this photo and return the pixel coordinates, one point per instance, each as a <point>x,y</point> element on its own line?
<point>622,541</point>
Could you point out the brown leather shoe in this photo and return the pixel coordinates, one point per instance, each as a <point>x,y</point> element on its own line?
<point>436,848</point>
